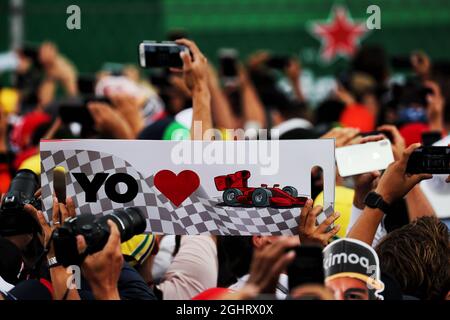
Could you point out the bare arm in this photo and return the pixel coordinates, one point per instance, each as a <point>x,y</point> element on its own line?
<point>393,185</point>
<point>221,110</point>
<point>195,71</point>
<point>253,107</point>
<point>418,204</point>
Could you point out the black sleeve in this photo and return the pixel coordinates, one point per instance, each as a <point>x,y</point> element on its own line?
<point>132,286</point>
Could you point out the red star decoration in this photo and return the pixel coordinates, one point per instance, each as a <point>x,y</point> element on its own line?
<point>340,35</point>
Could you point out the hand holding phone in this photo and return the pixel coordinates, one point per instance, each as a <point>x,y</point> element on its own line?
<point>434,160</point>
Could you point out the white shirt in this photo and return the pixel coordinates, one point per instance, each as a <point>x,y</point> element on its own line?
<point>5,286</point>
<point>282,286</point>
<point>288,125</point>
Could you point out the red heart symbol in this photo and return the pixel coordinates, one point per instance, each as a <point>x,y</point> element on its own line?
<point>176,187</point>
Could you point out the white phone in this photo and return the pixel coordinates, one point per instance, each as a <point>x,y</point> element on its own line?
<point>362,158</point>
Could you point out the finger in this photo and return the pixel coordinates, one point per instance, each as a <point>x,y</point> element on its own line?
<point>81,244</point>
<point>328,222</point>
<point>64,212</point>
<point>70,207</point>
<point>56,216</point>
<point>38,193</point>
<point>177,70</point>
<point>304,212</point>
<point>422,176</point>
<point>37,215</point>
<point>407,153</point>
<point>374,138</point>
<point>375,174</point>
<point>93,109</point>
<point>192,47</point>
<point>279,247</point>
<point>281,264</point>
<point>346,135</point>
<point>433,86</point>
<point>114,237</point>
<point>312,216</point>
<point>32,211</point>
<point>330,234</point>
<point>187,62</point>
<point>396,136</point>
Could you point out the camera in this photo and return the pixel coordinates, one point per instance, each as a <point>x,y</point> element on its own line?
<point>95,230</point>
<point>13,219</point>
<point>161,54</point>
<point>434,160</point>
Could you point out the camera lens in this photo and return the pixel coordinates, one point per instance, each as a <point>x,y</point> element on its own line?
<point>24,185</point>
<point>130,222</point>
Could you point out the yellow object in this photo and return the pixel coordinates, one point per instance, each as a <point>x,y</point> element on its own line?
<point>32,163</point>
<point>9,98</point>
<point>138,249</point>
<point>343,205</point>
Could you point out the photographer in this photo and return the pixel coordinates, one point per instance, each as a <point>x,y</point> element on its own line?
<point>107,275</point>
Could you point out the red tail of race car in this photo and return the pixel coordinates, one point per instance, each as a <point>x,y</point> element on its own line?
<point>236,192</point>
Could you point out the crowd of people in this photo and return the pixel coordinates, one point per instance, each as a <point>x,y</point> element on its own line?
<point>399,251</point>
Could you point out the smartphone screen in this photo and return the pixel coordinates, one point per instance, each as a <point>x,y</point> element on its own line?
<point>434,160</point>
<point>228,64</point>
<point>76,111</point>
<point>160,55</point>
<point>307,267</point>
<point>363,158</point>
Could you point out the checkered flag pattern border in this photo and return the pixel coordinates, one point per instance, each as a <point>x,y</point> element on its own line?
<point>196,215</point>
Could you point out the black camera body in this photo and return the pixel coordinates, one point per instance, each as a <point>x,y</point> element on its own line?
<point>13,219</point>
<point>95,231</point>
<point>434,160</point>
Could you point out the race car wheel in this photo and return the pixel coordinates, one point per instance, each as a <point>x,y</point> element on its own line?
<point>291,191</point>
<point>261,197</point>
<point>230,196</point>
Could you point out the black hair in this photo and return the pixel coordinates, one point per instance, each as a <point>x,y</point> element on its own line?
<point>234,255</point>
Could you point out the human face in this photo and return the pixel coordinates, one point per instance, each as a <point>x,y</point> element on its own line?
<point>347,288</point>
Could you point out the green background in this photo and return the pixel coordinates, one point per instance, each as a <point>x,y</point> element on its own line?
<point>112,29</point>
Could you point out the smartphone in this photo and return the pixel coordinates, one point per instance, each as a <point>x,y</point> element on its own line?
<point>387,134</point>
<point>228,64</point>
<point>76,110</point>
<point>307,267</point>
<point>278,62</point>
<point>434,160</point>
<point>430,137</point>
<point>362,158</point>
<point>164,54</point>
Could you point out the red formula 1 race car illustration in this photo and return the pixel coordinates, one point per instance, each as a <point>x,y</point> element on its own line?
<point>236,192</point>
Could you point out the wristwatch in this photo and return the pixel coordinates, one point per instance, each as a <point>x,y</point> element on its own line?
<point>52,262</point>
<point>375,201</point>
